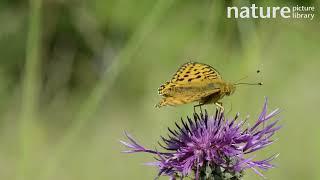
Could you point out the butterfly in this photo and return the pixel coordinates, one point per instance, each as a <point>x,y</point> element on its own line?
<point>196,82</point>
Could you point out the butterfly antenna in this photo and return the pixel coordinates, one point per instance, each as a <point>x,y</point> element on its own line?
<point>241,79</point>
<point>259,84</point>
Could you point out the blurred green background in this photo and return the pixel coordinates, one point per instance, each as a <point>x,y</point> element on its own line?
<point>75,74</point>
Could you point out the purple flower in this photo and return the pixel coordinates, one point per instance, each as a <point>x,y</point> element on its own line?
<point>216,146</point>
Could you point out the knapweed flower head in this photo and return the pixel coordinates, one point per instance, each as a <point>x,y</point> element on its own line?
<point>212,147</point>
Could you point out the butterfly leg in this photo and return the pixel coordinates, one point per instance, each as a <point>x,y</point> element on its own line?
<point>198,105</point>
<point>201,109</point>
<point>219,104</point>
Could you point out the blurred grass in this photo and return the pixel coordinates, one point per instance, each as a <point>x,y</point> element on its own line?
<point>85,71</point>
<point>30,91</point>
<point>108,78</point>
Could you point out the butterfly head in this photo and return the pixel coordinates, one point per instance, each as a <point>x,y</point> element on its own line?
<point>229,89</point>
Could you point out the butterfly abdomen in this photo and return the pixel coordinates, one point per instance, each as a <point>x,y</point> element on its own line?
<point>171,101</point>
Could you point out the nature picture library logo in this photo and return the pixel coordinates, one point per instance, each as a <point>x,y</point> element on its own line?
<point>295,12</point>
